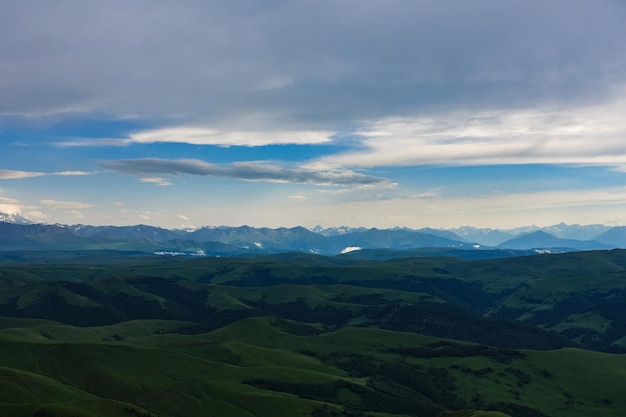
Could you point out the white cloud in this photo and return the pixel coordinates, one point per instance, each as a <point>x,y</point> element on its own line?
<point>36,216</point>
<point>73,205</point>
<point>93,142</point>
<point>16,207</point>
<point>298,196</point>
<point>9,206</point>
<point>588,136</point>
<point>360,189</point>
<point>8,200</point>
<point>204,136</point>
<point>156,181</point>
<point>146,215</point>
<point>8,174</point>
<point>72,173</point>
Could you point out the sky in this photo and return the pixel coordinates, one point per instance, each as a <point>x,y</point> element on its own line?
<point>277,113</point>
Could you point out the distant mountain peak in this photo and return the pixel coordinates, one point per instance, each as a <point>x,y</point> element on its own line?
<point>14,218</point>
<point>541,239</point>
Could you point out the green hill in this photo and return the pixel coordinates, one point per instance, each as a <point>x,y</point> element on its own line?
<point>260,365</point>
<point>304,335</point>
<point>577,296</point>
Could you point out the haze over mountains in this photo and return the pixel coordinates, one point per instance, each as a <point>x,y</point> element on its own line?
<point>19,233</point>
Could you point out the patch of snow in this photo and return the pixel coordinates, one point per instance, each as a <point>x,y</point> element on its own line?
<point>168,253</point>
<point>13,216</point>
<point>543,251</point>
<point>351,249</point>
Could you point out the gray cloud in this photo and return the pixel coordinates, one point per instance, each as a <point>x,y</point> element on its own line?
<point>249,171</point>
<point>305,65</point>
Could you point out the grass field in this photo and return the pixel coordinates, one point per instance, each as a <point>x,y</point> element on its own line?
<point>170,374</point>
<point>302,335</point>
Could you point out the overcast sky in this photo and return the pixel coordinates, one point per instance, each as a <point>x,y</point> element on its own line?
<point>378,113</point>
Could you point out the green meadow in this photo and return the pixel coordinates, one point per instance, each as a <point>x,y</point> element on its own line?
<point>300,335</point>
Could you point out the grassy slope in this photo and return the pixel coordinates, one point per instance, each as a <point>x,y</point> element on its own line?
<point>172,374</point>
<point>472,413</point>
<point>141,364</point>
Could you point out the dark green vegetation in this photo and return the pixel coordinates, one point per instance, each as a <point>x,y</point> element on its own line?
<point>112,334</point>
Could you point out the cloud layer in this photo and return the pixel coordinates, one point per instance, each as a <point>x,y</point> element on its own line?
<point>588,136</point>
<point>249,171</point>
<point>206,136</point>
<point>288,63</point>
<point>9,174</point>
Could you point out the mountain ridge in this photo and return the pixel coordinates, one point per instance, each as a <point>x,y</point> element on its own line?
<point>19,233</point>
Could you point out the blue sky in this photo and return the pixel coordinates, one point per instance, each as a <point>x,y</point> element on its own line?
<point>275,113</point>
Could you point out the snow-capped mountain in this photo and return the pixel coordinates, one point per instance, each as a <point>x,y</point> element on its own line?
<point>14,218</point>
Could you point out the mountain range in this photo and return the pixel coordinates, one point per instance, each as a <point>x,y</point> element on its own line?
<point>18,233</point>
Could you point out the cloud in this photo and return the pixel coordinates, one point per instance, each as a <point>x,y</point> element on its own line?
<point>96,142</point>
<point>8,174</point>
<point>503,210</point>
<point>249,171</point>
<point>268,64</point>
<point>72,173</point>
<point>156,181</point>
<point>588,136</point>
<point>146,215</point>
<point>203,136</point>
<point>298,196</point>
<point>36,216</point>
<point>72,205</point>
<point>13,206</point>
<point>10,205</point>
<point>206,136</point>
<point>8,200</point>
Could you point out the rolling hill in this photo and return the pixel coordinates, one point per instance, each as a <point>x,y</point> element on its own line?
<point>113,334</point>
